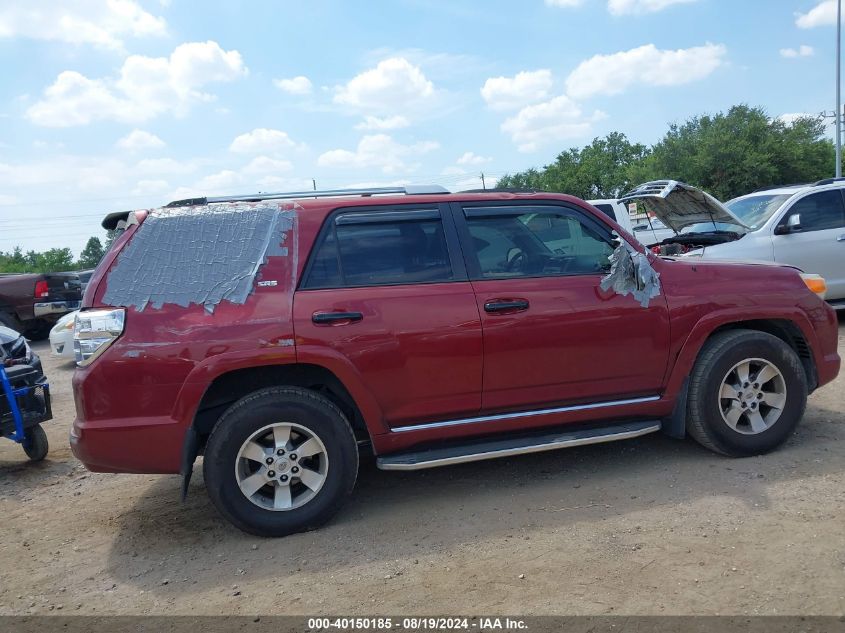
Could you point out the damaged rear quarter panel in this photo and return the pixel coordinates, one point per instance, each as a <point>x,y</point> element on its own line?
<point>195,307</point>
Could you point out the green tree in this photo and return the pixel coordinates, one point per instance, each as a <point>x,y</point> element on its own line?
<point>599,170</point>
<point>727,154</point>
<point>91,254</point>
<point>14,262</point>
<point>111,236</point>
<point>56,260</point>
<point>734,153</point>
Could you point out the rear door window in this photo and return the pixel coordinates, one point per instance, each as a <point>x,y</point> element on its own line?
<point>381,248</point>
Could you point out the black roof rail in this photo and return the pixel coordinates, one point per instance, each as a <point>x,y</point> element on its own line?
<point>408,190</point>
<point>827,181</point>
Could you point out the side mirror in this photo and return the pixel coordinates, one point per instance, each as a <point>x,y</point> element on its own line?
<point>793,225</point>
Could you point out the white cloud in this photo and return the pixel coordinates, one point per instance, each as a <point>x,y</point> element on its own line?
<point>823,14</point>
<point>150,187</point>
<point>386,123</point>
<point>102,24</point>
<point>394,85</point>
<point>564,3</point>
<point>791,117</point>
<point>377,150</point>
<point>262,140</point>
<point>626,7</point>
<point>138,140</point>
<point>801,51</point>
<point>263,165</point>
<point>165,167</point>
<point>646,65</point>
<point>300,85</point>
<point>261,172</point>
<point>558,119</point>
<point>470,158</point>
<point>510,93</point>
<point>146,87</point>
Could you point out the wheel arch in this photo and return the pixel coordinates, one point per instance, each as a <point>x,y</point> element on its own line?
<point>791,328</point>
<point>231,386</point>
<point>787,331</point>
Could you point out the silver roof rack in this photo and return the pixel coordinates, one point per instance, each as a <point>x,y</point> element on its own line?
<point>409,190</point>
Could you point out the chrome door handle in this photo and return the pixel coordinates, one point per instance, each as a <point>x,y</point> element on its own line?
<point>841,238</point>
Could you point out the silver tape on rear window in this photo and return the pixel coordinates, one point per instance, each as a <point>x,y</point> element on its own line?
<point>200,255</point>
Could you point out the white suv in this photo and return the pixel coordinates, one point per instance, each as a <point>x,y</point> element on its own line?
<point>648,233</point>
<point>800,225</point>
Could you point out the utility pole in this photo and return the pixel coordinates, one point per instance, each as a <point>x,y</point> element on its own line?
<point>314,183</point>
<point>838,108</point>
<point>483,184</point>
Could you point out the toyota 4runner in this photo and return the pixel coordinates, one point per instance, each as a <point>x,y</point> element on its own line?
<point>278,335</point>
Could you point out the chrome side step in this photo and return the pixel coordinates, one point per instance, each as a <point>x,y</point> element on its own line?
<point>476,450</point>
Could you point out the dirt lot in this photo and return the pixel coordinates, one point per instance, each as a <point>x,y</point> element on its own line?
<point>650,526</point>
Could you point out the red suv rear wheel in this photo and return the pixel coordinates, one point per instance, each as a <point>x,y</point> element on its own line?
<point>279,461</point>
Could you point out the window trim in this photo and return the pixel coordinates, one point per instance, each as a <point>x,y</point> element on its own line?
<point>788,213</point>
<point>473,266</point>
<point>390,213</point>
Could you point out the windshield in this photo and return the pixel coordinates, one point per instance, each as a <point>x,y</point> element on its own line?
<point>755,210</point>
<point>711,227</point>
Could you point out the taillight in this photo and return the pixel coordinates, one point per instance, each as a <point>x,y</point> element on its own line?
<point>41,289</point>
<point>94,331</point>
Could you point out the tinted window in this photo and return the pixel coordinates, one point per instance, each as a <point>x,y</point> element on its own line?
<point>819,211</point>
<point>537,243</point>
<point>378,253</point>
<point>607,210</point>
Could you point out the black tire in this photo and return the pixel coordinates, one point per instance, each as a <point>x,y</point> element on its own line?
<point>719,354</point>
<point>249,415</point>
<point>11,321</point>
<point>36,445</point>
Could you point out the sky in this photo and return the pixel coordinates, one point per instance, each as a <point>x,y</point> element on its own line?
<point>123,104</point>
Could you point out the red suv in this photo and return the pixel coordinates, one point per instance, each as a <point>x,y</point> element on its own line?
<point>280,334</point>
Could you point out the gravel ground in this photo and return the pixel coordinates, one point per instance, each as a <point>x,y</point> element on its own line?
<point>648,526</point>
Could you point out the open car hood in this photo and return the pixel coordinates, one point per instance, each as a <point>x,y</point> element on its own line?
<point>679,205</point>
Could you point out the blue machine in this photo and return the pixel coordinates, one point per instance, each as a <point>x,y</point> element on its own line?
<point>24,405</point>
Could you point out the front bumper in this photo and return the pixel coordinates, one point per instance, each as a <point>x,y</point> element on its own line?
<point>828,368</point>
<point>61,344</point>
<point>49,308</point>
<point>139,445</point>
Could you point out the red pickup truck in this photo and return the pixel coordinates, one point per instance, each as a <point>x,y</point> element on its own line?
<point>279,334</point>
<point>31,303</point>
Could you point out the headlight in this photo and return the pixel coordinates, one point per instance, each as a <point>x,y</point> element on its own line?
<point>816,283</point>
<point>69,325</point>
<point>94,331</point>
